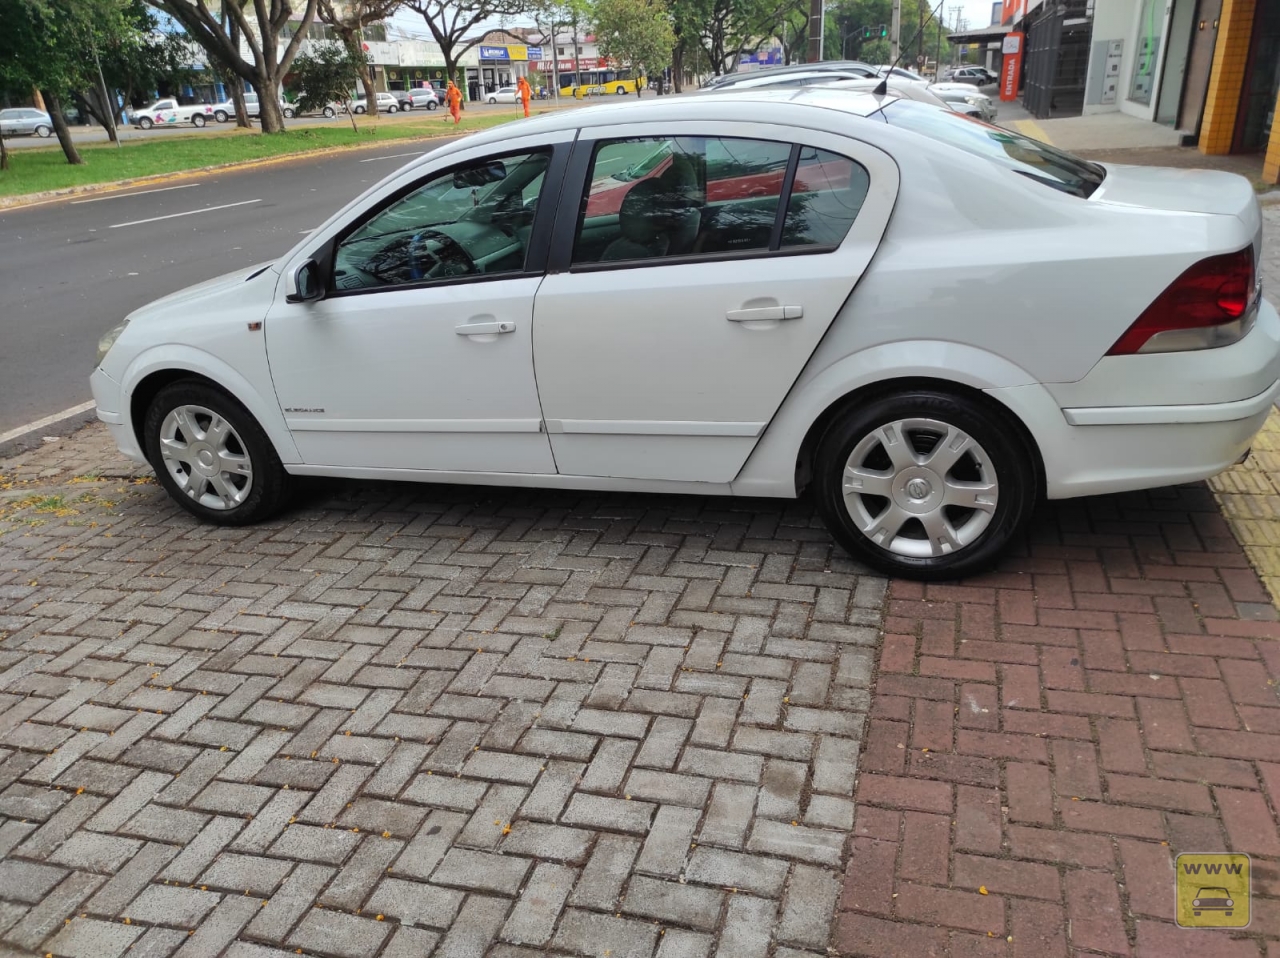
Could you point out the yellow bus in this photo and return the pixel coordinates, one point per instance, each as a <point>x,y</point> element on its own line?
<point>607,82</point>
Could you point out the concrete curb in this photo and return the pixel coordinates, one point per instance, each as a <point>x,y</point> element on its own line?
<point>32,435</point>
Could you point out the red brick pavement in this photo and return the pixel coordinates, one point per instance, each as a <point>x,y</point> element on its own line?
<point>1057,731</point>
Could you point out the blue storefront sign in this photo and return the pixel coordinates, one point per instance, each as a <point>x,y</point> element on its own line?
<point>494,53</point>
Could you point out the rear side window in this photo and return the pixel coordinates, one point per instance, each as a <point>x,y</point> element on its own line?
<point>1025,156</point>
<point>660,197</point>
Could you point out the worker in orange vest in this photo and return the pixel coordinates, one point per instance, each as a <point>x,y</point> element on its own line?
<point>525,93</point>
<point>454,96</point>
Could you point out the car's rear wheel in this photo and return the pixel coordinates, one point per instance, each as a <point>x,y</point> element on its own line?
<point>431,105</point>
<point>330,112</point>
<point>924,484</point>
<point>145,122</point>
<point>221,116</point>
<point>211,455</point>
<point>393,108</point>
<point>359,109</point>
<point>43,132</point>
<point>197,120</point>
<point>288,113</point>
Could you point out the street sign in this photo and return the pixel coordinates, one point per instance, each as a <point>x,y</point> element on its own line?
<point>920,60</point>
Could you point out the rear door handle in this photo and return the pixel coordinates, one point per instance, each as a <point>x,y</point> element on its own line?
<point>484,329</point>
<point>764,313</point>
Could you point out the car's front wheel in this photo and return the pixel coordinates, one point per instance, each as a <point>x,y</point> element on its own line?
<point>393,108</point>
<point>493,99</point>
<point>359,109</point>
<point>145,122</point>
<point>197,120</point>
<point>431,105</point>
<point>288,113</point>
<point>924,484</point>
<point>211,455</point>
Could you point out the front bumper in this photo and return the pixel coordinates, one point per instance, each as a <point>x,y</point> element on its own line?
<point>111,403</point>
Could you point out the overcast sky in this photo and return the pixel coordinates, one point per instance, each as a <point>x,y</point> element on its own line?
<point>977,12</point>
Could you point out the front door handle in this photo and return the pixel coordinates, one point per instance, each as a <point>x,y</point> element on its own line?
<point>484,329</point>
<point>764,313</point>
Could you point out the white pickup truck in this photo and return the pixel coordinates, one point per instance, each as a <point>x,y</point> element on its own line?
<point>169,112</point>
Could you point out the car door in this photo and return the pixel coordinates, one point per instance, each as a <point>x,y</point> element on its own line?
<point>166,111</point>
<point>419,355</point>
<point>664,352</point>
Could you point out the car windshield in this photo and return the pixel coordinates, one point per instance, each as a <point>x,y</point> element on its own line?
<point>1021,154</point>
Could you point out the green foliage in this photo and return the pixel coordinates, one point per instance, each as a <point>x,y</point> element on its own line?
<point>323,75</point>
<point>637,32</point>
<point>49,44</point>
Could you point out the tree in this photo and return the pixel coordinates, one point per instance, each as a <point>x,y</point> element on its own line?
<point>348,18</point>
<point>635,31</point>
<point>453,24</point>
<point>552,16</point>
<point>270,63</point>
<point>46,45</point>
<point>324,74</point>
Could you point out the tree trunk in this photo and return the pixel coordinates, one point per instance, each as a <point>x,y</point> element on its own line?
<point>4,155</point>
<point>352,43</point>
<point>60,127</point>
<point>270,114</point>
<point>91,104</point>
<point>677,68</point>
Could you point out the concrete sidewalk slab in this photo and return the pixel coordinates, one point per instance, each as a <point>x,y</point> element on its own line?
<point>1099,131</point>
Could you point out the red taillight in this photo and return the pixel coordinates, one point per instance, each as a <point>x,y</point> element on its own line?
<point>1214,292</point>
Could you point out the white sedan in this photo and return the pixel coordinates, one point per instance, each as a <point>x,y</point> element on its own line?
<point>506,94</point>
<point>750,294</point>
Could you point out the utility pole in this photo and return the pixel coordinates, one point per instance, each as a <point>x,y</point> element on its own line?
<point>817,18</point>
<point>895,29</point>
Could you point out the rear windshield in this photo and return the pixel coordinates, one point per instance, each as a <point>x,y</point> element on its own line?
<point>1030,158</point>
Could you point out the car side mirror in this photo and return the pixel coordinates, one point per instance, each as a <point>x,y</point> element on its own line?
<point>307,283</point>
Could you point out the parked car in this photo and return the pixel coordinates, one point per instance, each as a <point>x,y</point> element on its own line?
<point>25,121</point>
<point>772,81</point>
<point>854,66</point>
<point>505,94</point>
<point>386,104</point>
<point>226,110</point>
<point>965,99</point>
<point>169,112</point>
<point>424,98</point>
<point>974,75</point>
<point>900,74</point>
<point>403,98</point>
<point>1107,333</point>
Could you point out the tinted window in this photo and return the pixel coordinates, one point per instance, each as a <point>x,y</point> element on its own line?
<point>1025,156</point>
<point>828,192</point>
<point>680,196</point>
<point>475,225</point>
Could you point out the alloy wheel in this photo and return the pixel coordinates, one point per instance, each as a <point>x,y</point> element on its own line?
<point>920,488</point>
<point>205,457</point>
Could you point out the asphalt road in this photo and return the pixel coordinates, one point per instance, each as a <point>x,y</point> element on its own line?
<point>70,270</point>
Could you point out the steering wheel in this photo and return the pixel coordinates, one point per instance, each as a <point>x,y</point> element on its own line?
<point>424,262</point>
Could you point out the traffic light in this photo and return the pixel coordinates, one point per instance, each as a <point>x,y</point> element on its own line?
<point>884,31</point>
<point>866,33</point>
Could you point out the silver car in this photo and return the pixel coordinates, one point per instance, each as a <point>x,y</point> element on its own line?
<point>965,99</point>
<point>25,121</point>
<point>424,98</point>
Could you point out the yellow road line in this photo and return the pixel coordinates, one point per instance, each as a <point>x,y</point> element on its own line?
<point>1032,129</point>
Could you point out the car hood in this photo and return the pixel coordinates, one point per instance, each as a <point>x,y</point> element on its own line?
<point>209,289</point>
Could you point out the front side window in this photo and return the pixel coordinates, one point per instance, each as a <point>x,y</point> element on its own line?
<point>1025,156</point>
<point>660,197</point>
<point>472,221</point>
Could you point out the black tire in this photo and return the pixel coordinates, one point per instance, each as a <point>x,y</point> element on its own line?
<point>406,105</point>
<point>493,99</point>
<point>621,91</point>
<point>288,113</point>
<point>393,109</point>
<point>145,123</point>
<point>43,132</point>
<point>197,120</point>
<point>979,535</point>
<point>359,110</point>
<point>431,105</point>
<point>269,486</point>
<point>330,112</point>
<point>221,116</point>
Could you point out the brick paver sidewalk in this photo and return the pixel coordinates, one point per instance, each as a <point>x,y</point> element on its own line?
<point>412,721</point>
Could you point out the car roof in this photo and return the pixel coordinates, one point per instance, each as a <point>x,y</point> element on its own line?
<point>789,106</point>
<point>821,66</point>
